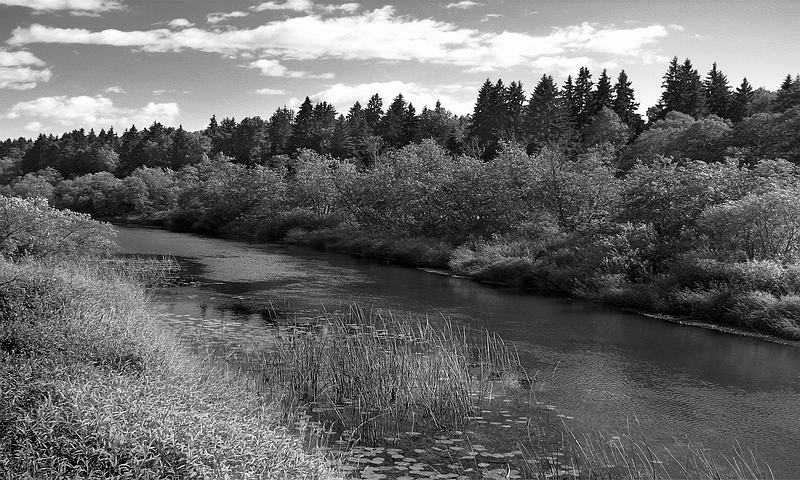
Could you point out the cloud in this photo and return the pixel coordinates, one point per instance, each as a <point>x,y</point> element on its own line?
<point>344,7</point>
<point>180,23</point>
<point>66,113</point>
<point>464,5</point>
<point>374,35</point>
<point>343,96</point>
<point>75,7</point>
<point>273,68</point>
<point>294,5</point>
<point>21,70</point>
<point>115,89</point>
<point>270,91</point>
<point>222,16</point>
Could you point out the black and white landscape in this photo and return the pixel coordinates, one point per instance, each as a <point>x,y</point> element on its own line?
<point>422,239</point>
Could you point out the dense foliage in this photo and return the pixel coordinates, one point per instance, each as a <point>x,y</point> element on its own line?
<point>694,212</point>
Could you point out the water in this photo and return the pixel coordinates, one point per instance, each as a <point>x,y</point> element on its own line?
<point>602,366</point>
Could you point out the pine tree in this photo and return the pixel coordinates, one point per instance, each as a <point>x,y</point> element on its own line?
<point>625,104</point>
<point>717,93</point>
<point>682,91</point>
<point>411,125</point>
<point>489,117</point>
<point>788,95</point>
<point>280,131</point>
<point>582,97</point>
<point>373,113</point>
<point>303,128</point>
<point>569,104</point>
<point>603,95</point>
<point>740,100</point>
<point>514,107</point>
<point>544,115</point>
<point>324,122</point>
<point>393,123</point>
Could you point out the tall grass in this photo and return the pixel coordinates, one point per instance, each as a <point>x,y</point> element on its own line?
<point>372,374</point>
<point>92,385</point>
<point>630,455</point>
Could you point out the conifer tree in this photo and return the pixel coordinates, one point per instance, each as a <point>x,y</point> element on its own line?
<point>603,95</point>
<point>717,93</point>
<point>625,104</point>
<point>373,113</point>
<point>393,124</point>
<point>569,104</point>
<point>303,128</point>
<point>544,115</point>
<point>582,97</point>
<point>682,91</point>
<point>279,130</point>
<point>514,106</point>
<point>741,98</point>
<point>788,95</point>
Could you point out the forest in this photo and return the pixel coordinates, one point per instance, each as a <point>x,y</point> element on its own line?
<point>694,211</point>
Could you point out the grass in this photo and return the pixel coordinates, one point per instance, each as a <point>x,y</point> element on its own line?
<point>374,375</point>
<point>93,386</point>
<point>629,455</point>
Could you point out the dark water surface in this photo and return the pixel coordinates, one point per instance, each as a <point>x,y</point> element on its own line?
<point>603,367</point>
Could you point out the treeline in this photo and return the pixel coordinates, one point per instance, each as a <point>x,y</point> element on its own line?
<point>714,118</point>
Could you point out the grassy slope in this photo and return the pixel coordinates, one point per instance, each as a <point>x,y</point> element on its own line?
<point>92,385</point>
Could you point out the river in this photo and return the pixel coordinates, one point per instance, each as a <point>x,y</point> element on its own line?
<point>603,367</point>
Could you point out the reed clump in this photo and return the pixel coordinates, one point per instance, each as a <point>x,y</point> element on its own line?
<point>93,385</point>
<point>373,374</point>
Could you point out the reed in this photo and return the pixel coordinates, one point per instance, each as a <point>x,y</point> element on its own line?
<point>374,374</point>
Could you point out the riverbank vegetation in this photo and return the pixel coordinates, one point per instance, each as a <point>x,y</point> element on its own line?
<point>694,212</point>
<point>93,385</point>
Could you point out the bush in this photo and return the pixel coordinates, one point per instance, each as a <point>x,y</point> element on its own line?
<point>29,227</point>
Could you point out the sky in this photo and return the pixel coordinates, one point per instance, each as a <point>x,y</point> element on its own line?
<point>67,64</point>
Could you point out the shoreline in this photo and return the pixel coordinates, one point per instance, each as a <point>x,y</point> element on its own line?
<point>446,271</point>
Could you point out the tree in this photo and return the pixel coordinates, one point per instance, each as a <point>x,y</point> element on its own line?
<point>788,95</point>
<point>606,128</point>
<point>323,125</point>
<point>682,91</point>
<point>582,98</point>
<point>393,124</point>
<point>603,95</point>
<point>29,227</point>
<point>761,226</point>
<point>717,93</point>
<point>303,128</point>
<point>373,113</point>
<point>625,104</point>
<point>740,101</point>
<point>544,115</point>
<point>515,107</point>
<point>279,131</point>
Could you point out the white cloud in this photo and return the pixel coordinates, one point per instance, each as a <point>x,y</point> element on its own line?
<point>463,5</point>
<point>21,70</point>
<point>270,91</point>
<point>374,35</point>
<point>66,113</point>
<point>344,7</point>
<point>114,89</point>
<point>222,16</point>
<point>344,96</point>
<point>294,5</point>
<point>76,7</point>
<point>273,68</point>
<point>180,23</point>
<point>34,126</point>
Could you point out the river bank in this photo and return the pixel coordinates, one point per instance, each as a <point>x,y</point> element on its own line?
<point>92,384</point>
<point>707,297</point>
<point>714,310</point>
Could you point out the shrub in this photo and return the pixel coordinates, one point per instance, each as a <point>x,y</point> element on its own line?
<point>29,227</point>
